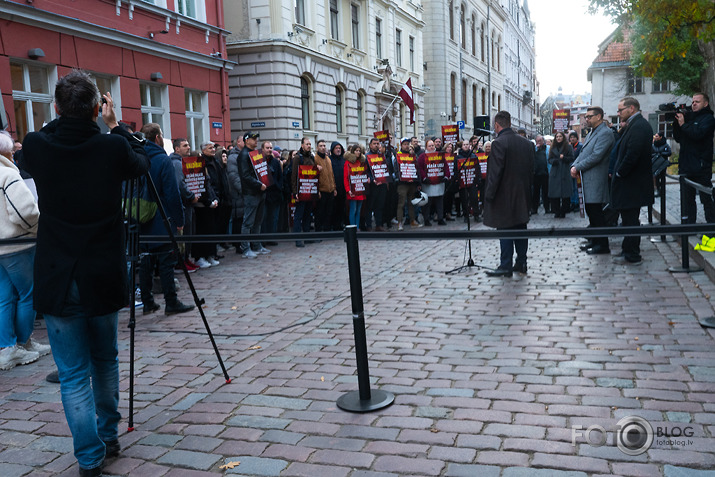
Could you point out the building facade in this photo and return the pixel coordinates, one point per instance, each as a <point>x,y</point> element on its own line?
<point>162,61</point>
<point>329,69</point>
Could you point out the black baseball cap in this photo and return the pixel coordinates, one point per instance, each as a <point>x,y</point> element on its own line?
<point>250,134</point>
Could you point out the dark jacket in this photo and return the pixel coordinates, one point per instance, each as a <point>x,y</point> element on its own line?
<point>661,149</point>
<point>187,196</point>
<point>234,181</point>
<point>541,165</point>
<point>632,181</point>
<point>274,193</point>
<point>249,180</point>
<point>510,167</point>
<point>338,163</point>
<point>560,183</point>
<point>304,159</point>
<point>218,178</point>
<point>79,173</point>
<point>163,175</point>
<point>696,142</point>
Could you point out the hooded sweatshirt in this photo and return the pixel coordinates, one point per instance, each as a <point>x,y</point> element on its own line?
<point>338,163</point>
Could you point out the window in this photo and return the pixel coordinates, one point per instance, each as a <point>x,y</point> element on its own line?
<point>152,109</point>
<point>195,117</point>
<point>334,32</point>
<point>474,100</point>
<point>31,97</point>
<point>498,54</point>
<point>483,41</point>
<point>191,8</point>
<point>398,47</point>
<point>355,18</point>
<point>339,108</point>
<point>464,100</point>
<point>108,84</point>
<point>453,93</point>
<point>635,83</point>
<point>462,28</point>
<point>378,38</point>
<point>305,102</point>
<point>361,113</point>
<point>484,102</point>
<point>661,86</point>
<point>494,62</point>
<point>499,102</point>
<point>412,53</point>
<point>664,127</point>
<point>474,36</point>
<point>451,21</point>
<point>187,7</point>
<point>300,11</point>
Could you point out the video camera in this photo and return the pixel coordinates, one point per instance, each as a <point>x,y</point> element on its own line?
<point>671,109</point>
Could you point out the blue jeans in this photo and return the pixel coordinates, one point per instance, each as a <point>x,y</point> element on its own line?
<point>253,207</point>
<point>17,317</point>
<point>85,347</point>
<point>354,211</point>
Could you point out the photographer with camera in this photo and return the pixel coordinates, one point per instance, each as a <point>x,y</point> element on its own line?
<point>80,262</point>
<point>694,132</point>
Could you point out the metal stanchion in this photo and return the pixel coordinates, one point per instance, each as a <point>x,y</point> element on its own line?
<point>663,221</point>
<point>363,400</point>
<point>685,268</point>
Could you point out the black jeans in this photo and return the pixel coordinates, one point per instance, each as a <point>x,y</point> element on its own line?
<point>631,245</point>
<point>164,257</point>
<point>324,212</point>
<point>691,211</point>
<point>540,193</point>
<point>597,218</point>
<point>507,247</point>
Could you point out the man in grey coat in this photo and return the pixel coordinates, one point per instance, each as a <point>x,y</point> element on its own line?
<point>507,194</point>
<point>592,164</point>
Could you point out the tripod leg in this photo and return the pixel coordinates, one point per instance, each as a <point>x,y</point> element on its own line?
<point>133,250</point>
<point>198,301</point>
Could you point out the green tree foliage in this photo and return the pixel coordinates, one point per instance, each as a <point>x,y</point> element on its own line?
<point>668,37</point>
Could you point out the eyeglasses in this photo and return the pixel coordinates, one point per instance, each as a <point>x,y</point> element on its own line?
<point>621,109</point>
<point>589,116</point>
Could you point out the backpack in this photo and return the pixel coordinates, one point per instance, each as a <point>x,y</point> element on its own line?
<point>141,201</point>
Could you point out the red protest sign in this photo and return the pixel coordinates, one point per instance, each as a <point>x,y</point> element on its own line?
<point>450,133</point>
<point>382,136</point>
<point>378,165</point>
<point>307,183</point>
<point>561,119</point>
<point>467,171</point>
<point>194,173</point>
<point>482,157</point>
<point>260,165</point>
<point>435,167</point>
<point>357,174</point>
<point>407,166</point>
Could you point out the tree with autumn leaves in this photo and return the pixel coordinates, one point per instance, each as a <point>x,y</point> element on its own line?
<point>672,40</point>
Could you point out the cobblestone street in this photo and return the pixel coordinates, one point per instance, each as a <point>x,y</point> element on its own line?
<point>490,375</point>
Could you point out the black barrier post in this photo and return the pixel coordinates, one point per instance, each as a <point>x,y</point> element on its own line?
<point>363,400</point>
<point>684,238</point>
<point>663,221</point>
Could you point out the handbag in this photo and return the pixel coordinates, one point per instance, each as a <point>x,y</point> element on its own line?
<point>659,164</point>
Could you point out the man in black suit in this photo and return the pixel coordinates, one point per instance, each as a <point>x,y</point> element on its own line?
<point>632,181</point>
<point>80,263</point>
<point>507,195</point>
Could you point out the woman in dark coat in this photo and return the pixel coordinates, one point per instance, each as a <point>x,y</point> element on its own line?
<point>560,185</point>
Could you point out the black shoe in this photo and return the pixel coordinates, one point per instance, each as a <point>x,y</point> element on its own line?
<point>520,267</point>
<point>441,222</point>
<point>450,218</point>
<point>428,223</point>
<point>299,244</point>
<point>585,246</point>
<point>499,272</point>
<point>111,449</point>
<point>96,472</point>
<point>150,307</point>
<point>598,250</point>
<point>177,307</point>
<point>53,377</point>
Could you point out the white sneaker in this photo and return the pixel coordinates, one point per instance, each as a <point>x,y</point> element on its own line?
<point>213,261</point>
<point>400,227</point>
<point>202,263</point>
<point>14,355</point>
<point>263,251</point>
<point>41,349</point>
<point>249,254</point>
<point>393,221</point>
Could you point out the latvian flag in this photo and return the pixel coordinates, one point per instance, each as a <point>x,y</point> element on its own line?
<point>406,95</point>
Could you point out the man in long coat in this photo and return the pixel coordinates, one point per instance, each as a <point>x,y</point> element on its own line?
<point>632,182</point>
<point>507,195</point>
<point>592,164</point>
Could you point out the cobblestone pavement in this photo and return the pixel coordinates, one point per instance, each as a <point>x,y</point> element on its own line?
<point>490,374</point>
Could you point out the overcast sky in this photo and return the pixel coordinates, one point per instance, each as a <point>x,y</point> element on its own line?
<point>567,39</point>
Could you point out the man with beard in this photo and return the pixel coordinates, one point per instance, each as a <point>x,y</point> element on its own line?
<point>303,209</point>
<point>377,192</point>
<point>327,190</point>
<point>254,197</point>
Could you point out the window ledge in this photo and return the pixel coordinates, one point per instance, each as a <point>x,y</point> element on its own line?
<point>336,48</point>
<point>302,34</point>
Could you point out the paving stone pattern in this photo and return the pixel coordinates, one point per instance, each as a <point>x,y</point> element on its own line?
<point>489,374</point>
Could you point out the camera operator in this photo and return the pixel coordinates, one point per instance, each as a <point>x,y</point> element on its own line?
<point>80,262</point>
<point>695,135</point>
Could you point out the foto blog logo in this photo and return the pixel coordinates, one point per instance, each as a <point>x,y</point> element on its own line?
<point>633,435</point>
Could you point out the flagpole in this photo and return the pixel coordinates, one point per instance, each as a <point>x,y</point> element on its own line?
<point>387,109</point>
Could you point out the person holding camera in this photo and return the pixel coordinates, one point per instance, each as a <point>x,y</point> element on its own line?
<point>695,135</point>
<point>80,262</point>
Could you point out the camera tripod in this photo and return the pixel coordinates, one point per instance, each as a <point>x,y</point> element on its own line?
<point>131,189</point>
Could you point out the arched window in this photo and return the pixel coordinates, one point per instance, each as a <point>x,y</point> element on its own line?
<point>339,94</point>
<point>484,102</point>
<point>494,45</point>
<point>474,100</point>
<point>305,99</point>
<point>474,35</point>
<point>499,102</point>
<point>453,90</point>
<point>483,38</point>
<point>462,27</point>
<point>463,112</point>
<point>451,21</point>
<point>498,53</point>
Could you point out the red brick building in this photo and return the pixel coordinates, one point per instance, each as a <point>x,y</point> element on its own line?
<point>162,60</point>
